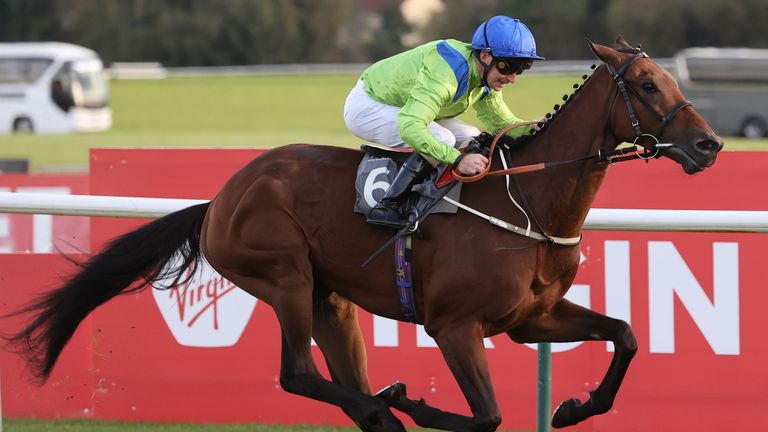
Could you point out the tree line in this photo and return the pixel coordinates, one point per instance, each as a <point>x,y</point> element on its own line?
<point>237,32</point>
<point>662,26</point>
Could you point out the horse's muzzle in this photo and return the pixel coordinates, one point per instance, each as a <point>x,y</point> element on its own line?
<point>712,145</point>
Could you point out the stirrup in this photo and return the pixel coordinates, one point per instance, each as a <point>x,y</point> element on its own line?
<point>412,219</point>
<point>390,225</point>
<point>411,222</point>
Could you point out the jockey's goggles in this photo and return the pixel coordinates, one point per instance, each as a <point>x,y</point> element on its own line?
<point>511,65</point>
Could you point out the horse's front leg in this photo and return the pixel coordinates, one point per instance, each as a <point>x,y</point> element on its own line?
<point>463,350</point>
<point>568,322</point>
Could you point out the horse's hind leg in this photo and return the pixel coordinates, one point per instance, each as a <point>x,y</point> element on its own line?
<point>337,332</point>
<point>253,239</point>
<point>298,372</point>
<point>569,322</point>
<point>463,350</point>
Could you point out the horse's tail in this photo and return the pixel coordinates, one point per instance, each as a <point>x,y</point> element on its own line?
<point>128,264</point>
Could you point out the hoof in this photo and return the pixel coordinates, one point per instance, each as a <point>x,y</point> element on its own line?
<point>391,394</point>
<point>565,414</point>
<point>380,419</point>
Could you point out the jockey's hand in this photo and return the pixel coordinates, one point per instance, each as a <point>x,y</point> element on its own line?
<point>473,163</point>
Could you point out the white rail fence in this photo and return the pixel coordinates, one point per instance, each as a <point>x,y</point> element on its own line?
<point>597,219</point>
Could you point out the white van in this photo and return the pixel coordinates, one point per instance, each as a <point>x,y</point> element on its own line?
<point>52,88</point>
<point>728,86</point>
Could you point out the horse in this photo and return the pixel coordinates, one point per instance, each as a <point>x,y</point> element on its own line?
<point>282,229</point>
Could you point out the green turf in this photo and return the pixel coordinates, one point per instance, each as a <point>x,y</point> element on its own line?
<point>247,111</point>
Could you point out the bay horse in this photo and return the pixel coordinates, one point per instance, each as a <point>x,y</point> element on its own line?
<point>283,230</point>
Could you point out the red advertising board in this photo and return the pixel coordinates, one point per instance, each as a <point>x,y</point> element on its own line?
<point>211,354</point>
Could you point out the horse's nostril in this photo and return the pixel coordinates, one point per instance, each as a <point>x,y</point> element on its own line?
<point>709,146</point>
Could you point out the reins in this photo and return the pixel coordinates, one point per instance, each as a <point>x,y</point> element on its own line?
<point>487,171</point>
<point>612,157</point>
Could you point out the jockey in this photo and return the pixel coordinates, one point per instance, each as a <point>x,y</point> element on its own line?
<point>411,100</point>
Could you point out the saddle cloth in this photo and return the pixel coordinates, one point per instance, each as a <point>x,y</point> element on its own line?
<point>376,172</point>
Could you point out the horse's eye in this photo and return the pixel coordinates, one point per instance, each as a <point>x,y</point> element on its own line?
<point>649,87</point>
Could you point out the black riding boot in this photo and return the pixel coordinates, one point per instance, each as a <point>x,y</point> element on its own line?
<point>387,211</point>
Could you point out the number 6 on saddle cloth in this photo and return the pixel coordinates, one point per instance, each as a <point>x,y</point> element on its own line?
<point>376,172</point>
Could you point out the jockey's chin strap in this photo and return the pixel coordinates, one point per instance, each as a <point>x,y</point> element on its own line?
<point>486,68</point>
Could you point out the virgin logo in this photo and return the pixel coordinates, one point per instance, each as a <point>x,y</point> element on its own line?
<point>206,310</point>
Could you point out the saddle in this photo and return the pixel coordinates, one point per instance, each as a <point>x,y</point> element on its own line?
<point>379,167</point>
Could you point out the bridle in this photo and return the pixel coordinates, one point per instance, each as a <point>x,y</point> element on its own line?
<point>624,89</point>
<point>610,156</point>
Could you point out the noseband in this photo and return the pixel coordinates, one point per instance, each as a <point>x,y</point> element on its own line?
<point>618,76</point>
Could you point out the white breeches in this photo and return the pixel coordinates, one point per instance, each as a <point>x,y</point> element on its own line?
<point>374,121</point>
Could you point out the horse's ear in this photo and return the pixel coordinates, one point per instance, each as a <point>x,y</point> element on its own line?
<point>604,53</point>
<point>621,44</point>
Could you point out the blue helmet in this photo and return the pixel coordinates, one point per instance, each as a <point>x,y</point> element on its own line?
<point>503,36</point>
